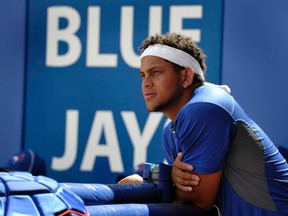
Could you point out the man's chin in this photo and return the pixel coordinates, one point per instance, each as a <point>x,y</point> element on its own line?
<point>152,109</point>
<point>155,107</point>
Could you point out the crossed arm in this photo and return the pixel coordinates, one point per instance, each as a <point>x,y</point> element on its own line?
<point>190,188</point>
<point>197,189</point>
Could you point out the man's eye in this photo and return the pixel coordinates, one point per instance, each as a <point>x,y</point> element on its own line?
<point>155,73</point>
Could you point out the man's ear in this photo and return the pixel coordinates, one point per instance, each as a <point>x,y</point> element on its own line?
<point>188,77</point>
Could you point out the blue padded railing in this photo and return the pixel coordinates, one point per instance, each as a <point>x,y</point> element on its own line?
<point>24,194</point>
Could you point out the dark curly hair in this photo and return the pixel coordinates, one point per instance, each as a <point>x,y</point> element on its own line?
<point>181,42</point>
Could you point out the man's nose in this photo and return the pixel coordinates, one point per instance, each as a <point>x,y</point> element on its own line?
<point>147,82</point>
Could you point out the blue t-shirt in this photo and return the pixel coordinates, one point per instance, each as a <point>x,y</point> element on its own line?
<point>214,134</point>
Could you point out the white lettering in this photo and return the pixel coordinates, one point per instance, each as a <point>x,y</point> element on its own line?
<point>126,34</point>
<point>155,20</point>
<point>126,37</point>
<point>67,35</point>
<point>56,34</point>
<point>103,122</point>
<point>94,58</point>
<point>178,13</point>
<point>71,143</point>
<point>141,141</point>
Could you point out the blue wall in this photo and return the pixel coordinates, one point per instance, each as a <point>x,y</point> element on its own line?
<point>12,47</point>
<point>255,61</point>
<point>254,65</point>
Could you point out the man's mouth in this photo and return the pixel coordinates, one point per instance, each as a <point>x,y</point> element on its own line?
<point>148,96</point>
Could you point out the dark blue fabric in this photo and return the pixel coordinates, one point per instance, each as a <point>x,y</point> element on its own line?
<point>24,194</point>
<point>214,133</point>
<point>160,209</point>
<point>44,196</point>
<point>99,194</point>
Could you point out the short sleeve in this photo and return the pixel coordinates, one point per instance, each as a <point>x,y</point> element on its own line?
<point>203,131</point>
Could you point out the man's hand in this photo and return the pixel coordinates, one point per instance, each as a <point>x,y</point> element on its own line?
<point>182,175</point>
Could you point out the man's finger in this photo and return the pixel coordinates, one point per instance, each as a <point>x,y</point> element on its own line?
<point>184,188</point>
<point>180,156</point>
<point>181,165</point>
<point>186,178</point>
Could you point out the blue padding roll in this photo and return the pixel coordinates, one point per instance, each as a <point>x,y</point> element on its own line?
<point>25,187</point>
<point>98,194</point>
<point>72,201</point>
<point>2,205</point>
<point>48,182</point>
<point>172,209</point>
<point>164,209</point>
<point>24,194</point>
<point>119,210</point>
<point>21,205</point>
<point>49,203</point>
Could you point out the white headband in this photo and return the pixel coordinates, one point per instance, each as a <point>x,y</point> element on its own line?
<point>174,55</point>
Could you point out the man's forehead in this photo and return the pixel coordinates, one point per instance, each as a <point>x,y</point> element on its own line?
<point>152,62</point>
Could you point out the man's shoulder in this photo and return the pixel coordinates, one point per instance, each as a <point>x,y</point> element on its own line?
<point>212,96</point>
